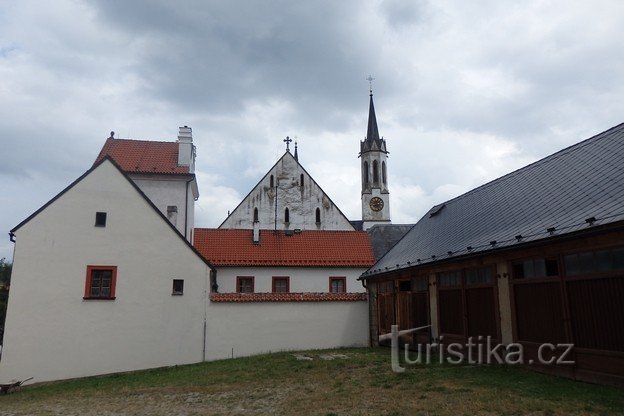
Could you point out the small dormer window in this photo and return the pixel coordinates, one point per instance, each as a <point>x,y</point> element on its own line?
<point>100,219</point>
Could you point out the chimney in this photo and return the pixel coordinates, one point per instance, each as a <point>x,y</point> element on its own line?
<point>256,232</point>
<point>186,150</point>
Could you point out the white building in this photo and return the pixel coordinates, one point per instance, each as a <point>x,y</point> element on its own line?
<point>164,171</point>
<point>102,283</point>
<point>105,278</point>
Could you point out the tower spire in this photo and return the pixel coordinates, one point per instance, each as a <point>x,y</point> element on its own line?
<point>296,155</point>
<point>372,135</point>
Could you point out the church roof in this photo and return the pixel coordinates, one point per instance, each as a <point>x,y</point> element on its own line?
<point>143,156</point>
<point>308,248</point>
<point>577,189</point>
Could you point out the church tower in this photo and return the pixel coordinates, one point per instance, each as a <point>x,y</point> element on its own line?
<point>373,156</point>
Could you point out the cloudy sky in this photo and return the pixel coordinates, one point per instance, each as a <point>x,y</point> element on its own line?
<point>464,91</point>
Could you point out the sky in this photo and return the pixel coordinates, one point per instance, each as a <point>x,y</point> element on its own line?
<point>464,91</point>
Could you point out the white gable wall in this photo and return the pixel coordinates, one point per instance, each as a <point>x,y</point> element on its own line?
<point>301,201</point>
<point>171,190</point>
<point>52,333</point>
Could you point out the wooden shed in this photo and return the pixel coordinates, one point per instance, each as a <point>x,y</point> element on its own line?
<point>533,257</point>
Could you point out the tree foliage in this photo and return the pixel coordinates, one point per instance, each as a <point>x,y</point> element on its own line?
<point>5,280</point>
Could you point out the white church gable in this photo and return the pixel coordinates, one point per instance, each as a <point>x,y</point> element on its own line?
<point>301,203</point>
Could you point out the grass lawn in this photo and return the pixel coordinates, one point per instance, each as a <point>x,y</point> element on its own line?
<point>361,384</point>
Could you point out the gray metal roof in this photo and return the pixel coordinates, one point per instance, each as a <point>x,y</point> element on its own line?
<point>384,236</point>
<point>560,191</point>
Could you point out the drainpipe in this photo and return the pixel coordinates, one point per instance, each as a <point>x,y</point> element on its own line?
<point>186,208</point>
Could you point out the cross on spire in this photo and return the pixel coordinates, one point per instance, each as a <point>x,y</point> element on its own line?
<point>287,140</point>
<point>370,80</point>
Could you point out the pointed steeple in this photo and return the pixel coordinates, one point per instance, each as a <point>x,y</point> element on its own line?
<point>372,142</point>
<point>296,155</point>
<point>373,132</point>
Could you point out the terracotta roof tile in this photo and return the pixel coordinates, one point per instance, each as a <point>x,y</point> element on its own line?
<point>142,156</point>
<point>288,297</point>
<point>234,247</point>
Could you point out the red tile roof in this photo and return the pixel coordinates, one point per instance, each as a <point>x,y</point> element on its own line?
<point>230,247</point>
<point>288,297</point>
<point>143,156</point>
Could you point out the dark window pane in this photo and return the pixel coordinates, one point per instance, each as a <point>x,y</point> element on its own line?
<point>419,284</point>
<point>618,259</point>
<point>572,264</point>
<point>518,271</point>
<point>586,262</point>
<point>405,286</point>
<point>178,286</point>
<point>603,261</point>
<point>539,267</point>
<point>529,269</point>
<point>552,268</point>
<point>479,276</point>
<point>100,219</point>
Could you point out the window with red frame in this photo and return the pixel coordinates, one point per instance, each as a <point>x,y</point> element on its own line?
<point>281,284</point>
<point>100,282</point>
<point>338,284</point>
<point>245,284</point>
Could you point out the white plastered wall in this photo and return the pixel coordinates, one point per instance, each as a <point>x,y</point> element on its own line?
<point>242,329</point>
<point>167,190</point>
<point>302,279</point>
<point>52,333</point>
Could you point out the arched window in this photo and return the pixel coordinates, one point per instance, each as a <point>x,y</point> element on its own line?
<point>375,172</point>
<point>272,182</point>
<point>301,180</point>
<point>286,215</point>
<point>318,215</point>
<point>383,172</point>
<point>366,172</point>
<point>255,214</point>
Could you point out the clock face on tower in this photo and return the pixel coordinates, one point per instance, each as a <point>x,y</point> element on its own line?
<point>376,204</point>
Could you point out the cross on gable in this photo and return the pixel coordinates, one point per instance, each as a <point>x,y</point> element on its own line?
<point>287,140</point>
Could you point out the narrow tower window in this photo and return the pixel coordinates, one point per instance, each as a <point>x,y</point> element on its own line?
<point>301,180</point>
<point>286,215</point>
<point>375,172</point>
<point>318,215</point>
<point>383,172</point>
<point>272,182</point>
<point>366,172</point>
<point>255,214</point>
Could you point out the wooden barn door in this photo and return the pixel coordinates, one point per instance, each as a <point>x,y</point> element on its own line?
<point>576,298</point>
<point>385,307</point>
<point>468,305</point>
<point>412,306</point>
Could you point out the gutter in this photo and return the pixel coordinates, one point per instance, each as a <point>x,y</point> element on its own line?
<point>12,236</point>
